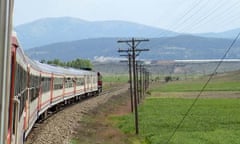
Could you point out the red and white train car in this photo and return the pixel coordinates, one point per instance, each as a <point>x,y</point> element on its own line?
<point>36,88</point>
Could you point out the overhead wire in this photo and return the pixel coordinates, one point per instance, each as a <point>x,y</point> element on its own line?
<point>226,12</point>
<point>185,14</point>
<point>181,27</point>
<point>203,89</point>
<point>191,13</point>
<point>201,20</point>
<point>185,17</point>
<point>193,10</point>
<point>231,19</point>
<point>200,8</point>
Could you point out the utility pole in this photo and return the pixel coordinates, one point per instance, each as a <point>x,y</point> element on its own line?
<point>133,43</point>
<point>6,10</point>
<point>137,84</point>
<point>138,75</point>
<point>141,80</point>
<point>130,78</point>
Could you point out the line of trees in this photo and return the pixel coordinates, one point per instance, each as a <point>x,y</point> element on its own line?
<point>78,63</point>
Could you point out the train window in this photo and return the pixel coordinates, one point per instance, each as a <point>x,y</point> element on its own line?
<point>20,80</point>
<point>68,82</point>
<point>34,81</point>
<point>34,85</point>
<point>46,84</point>
<point>88,80</point>
<point>58,83</point>
<point>22,98</point>
<point>80,81</point>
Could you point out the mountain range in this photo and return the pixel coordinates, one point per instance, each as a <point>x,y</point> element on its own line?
<point>52,30</point>
<point>168,48</point>
<point>69,38</point>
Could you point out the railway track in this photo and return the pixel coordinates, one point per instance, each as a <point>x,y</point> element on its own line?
<point>60,126</point>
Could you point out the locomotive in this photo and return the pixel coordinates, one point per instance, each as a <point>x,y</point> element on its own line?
<point>36,88</point>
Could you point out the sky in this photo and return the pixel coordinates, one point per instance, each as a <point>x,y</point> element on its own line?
<point>192,16</point>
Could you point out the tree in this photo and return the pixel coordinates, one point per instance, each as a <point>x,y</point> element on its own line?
<point>78,63</point>
<point>43,61</point>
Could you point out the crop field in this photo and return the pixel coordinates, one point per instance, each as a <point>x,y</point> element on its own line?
<point>214,119</point>
<point>115,78</point>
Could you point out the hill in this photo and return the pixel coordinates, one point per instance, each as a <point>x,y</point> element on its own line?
<point>169,48</point>
<point>52,30</point>
<point>226,34</point>
<point>62,29</point>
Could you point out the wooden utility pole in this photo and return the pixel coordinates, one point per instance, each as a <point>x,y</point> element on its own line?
<point>137,83</point>
<point>141,80</point>
<point>133,43</point>
<point>130,78</point>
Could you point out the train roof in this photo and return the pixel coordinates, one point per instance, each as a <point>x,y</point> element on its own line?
<point>62,70</point>
<point>50,68</point>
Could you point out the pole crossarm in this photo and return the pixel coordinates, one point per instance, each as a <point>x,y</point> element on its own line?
<point>139,50</point>
<point>122,50</point>
<point>136,40</point>
<point>125,55</point>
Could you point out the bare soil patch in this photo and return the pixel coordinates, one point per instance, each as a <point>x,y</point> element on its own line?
<point>96,128</point>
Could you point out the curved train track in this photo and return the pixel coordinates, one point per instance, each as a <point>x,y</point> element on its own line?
<point>59,128</point>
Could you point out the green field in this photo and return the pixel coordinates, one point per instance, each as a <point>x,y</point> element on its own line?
<point>115,78</point>
<point>197,86</point>
<point>211,120</point>
<point>223,82</point>
<point>110,81</point>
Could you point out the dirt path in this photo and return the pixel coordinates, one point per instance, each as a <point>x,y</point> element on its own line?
<point>97,126</point>
<point>61,127</point>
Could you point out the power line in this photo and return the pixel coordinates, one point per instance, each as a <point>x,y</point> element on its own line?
<point>181,27</point>
<point>178,21</point>
<point>186,20</point>
<point>184,17</point>
<point>192,16</point>
<point>203,88</point>
<point>208,15</point>
<point>226,13</point>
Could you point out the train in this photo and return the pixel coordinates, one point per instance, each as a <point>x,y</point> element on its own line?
<point>36,88</point>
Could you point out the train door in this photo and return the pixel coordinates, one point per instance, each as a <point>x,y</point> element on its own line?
<point>75,85</point>
<point>40,94</point>
<point>14,137</point>
<point>27,107</point>
<point>84,79</point>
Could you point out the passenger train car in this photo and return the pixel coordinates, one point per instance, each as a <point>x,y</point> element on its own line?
<point>36,88</point>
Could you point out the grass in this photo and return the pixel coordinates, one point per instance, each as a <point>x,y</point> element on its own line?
<point>213,121</point>
<point>74,141</point>
<point>217,84</point>
<point>115,78</point>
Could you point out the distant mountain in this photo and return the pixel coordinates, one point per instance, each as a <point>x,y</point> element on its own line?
<point>230,34</point>
<point>168,48</point>
<point>52,30</point>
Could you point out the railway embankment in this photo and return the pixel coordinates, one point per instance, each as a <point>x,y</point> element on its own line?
<point>64,126</point>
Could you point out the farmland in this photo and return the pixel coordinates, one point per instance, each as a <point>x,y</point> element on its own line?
<point>213,119</point>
